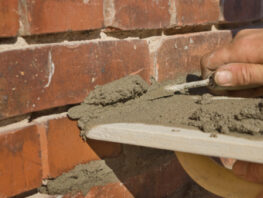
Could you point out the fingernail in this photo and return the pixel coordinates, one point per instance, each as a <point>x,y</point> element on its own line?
<point>223,78</point>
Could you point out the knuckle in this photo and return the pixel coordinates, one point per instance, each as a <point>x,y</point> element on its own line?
<point>245,76</point>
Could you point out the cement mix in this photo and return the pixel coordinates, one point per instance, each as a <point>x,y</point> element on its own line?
<point>131,100</point>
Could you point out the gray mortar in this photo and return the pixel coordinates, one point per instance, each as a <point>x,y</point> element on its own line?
<point>207,113</point>
<point>133,161</point>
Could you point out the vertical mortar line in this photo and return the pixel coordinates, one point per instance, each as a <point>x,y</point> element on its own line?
<point>153,46</point>
<point>221,10</point>
<point>42,131</point>
<point>109,12</point>
<point>24,26</point>
<point>173,13</point>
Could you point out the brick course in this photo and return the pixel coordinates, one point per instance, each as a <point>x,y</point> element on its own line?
<point>53,16</point>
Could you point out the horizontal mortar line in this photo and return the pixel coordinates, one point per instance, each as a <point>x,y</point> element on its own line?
<point>90,34</point>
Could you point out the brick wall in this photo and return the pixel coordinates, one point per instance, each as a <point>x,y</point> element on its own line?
<point>53,53</point>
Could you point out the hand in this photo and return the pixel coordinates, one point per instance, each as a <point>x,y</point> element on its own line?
<point>250,171</point>
<point>239,63</point>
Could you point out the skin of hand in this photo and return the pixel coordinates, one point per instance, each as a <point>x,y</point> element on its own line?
<point>237,64</point>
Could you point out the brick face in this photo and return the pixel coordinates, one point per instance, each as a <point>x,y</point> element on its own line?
<point>66,149</point>
<point>53,16</point>
<point>133,14</point>
<point>20,164</point>
<point>46,16</point>
<point>181,54</point>
<point>151,14</point>
<point>195,12</point>
<point>39,78</point>
<point>9,18</point>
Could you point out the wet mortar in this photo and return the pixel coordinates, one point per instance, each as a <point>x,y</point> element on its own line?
<point>131,100</point>
<point>131,162</point>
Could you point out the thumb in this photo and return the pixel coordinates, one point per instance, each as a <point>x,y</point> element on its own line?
<point>239,74</point>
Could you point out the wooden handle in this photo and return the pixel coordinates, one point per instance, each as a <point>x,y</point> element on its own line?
<point>217,179</point>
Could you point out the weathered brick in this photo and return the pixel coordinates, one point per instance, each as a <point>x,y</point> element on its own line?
<point>194,12</point>
<point>160,181</point>
<point>20,163</point>
<point>9,18</point>
<point>241,11</point>
<point>181,54</point>
<point>40,78</point>
<point>134,14</point>
<point>47,16</point>
<point>66,149</point>
<point>151,14</point>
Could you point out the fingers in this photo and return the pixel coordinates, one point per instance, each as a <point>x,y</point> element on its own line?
<point>250,171</point>
<point>238,75</point>
<point>245,48</point>
<point>214,60</point>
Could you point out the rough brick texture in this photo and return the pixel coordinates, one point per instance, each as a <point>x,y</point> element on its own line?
<point>20,163</point>
<point>151,14</point>
<point>53,16</point>
<point>135,14</point>
<point>45,16</point>
<point>9,18</point>
<point>66,149</point>
<point>45,77</point>
<point>196,12</point>
<point>181,54</point>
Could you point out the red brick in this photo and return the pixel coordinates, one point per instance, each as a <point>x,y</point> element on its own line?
<point>46,16</point>
<point>158,182</point>
<point>66,149</point>
<point>181,54</point>
<point>9,18</point>
<point>40,78</point>
<point>193,12</point>
<point>241,11</point>
<point>20,163</point>
<point>151,14</point>
<point>134,14</point>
